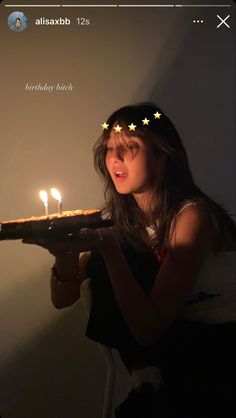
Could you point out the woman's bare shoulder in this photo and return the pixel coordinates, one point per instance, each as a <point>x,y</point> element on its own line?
<point>192,219</point>
<point>198,213</point>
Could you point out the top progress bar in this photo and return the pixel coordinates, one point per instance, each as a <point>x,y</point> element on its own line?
<point>61,5</point>
<point>174,5</point>
<point>202,5</point>
<point>117,5</point>
<point>32,5</point>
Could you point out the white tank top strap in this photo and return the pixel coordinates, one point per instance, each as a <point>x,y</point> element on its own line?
<point>187,204</point>
<point>190,203</point>
<point>215,223</point>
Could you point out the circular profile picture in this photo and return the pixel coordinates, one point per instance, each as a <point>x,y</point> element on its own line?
<point>17,21</point>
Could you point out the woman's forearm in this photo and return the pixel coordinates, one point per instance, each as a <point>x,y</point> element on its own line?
<point>136,307</point>
<point>67,266</point>
<point>67,276</point>
<point>64,293</point>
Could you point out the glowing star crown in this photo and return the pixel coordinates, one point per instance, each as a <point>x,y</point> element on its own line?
<point>131,127</point>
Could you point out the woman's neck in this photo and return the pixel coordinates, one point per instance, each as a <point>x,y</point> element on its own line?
<point>143,200</point>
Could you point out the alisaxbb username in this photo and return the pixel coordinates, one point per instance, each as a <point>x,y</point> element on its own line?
<point>42,21</point>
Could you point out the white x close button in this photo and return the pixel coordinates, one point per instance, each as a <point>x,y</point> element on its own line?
<point>223,21</point>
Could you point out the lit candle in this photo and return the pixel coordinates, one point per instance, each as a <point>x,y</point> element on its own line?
<point>44,197</point>
<point>57,195</point>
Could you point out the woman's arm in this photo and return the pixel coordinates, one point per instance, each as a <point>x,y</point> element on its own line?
<point>67,275</point>
<point>149,316</point>
<point>69,269</point>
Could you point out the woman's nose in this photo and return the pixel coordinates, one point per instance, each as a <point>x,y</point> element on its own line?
<point>118,153</point>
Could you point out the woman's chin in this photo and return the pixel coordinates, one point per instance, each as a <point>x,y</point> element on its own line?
<point>123,190</point>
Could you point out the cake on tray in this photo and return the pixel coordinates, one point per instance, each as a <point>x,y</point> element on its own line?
<point>57,225</point>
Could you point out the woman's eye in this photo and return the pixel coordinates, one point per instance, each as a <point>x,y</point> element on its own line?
<point>133,146</point>
<point>122,149</point>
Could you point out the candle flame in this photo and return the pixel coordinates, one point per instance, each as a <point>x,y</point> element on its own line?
<point>56,194</point>
<point>43,196</point>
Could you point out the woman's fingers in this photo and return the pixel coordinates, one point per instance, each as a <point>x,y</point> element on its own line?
<point>84,240</point>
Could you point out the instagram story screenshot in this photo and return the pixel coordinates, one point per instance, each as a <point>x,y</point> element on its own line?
<point>118,209</point>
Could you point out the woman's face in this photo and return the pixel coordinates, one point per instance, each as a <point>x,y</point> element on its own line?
<point>126,161</point>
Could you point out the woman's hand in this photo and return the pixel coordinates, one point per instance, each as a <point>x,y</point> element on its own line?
<point>64,247</point>
<point>85,240</point>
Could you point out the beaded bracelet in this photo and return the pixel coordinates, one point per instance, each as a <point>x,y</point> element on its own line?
<point>57,278</point>
<point>100,235</point>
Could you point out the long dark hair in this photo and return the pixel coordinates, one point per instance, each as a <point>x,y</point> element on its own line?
<point>171,180</point>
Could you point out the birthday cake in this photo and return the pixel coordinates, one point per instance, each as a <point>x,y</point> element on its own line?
<point>53,226</point>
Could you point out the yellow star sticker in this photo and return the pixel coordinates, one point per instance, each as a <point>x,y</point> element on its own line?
<point>145,121</point>
<point>132,127</point>
<point>117,128</point>
<point>157,115</point>
<point>105,125</point>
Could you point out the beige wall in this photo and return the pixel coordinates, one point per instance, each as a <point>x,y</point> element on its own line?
<point>125,55</point>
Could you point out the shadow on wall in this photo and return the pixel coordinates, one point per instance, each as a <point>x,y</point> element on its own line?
<point>187,84</point>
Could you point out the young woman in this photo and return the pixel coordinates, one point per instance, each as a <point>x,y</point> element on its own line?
<point>179,315</point>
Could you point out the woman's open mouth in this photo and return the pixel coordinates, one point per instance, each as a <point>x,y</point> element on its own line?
<point>120,176</point>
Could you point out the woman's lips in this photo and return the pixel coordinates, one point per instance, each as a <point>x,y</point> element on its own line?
<point>120,177</point>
